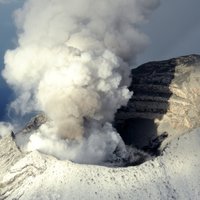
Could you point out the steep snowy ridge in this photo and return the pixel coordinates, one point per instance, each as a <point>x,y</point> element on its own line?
<point>174,175</point>
<point>9,154</point>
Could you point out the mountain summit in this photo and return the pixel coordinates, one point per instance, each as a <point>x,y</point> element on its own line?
<point>166,98</point>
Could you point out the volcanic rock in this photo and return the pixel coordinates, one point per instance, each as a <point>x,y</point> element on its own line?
<point>22,137</point>
<point>35,123</point>
<point>166,99</point>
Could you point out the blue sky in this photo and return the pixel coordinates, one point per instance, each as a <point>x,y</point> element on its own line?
<point>7,35</point>
<point>174,30</point>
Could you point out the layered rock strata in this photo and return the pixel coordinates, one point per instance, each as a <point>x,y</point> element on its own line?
<point>166,99</point>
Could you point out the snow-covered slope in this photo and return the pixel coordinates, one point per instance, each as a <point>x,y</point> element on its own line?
<point>174,175</point>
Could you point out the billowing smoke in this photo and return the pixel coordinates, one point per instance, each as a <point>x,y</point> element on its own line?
<point>5,128</point>
<point>72,62</point>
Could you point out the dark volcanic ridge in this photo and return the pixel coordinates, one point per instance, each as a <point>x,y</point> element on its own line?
<point>166,99</point>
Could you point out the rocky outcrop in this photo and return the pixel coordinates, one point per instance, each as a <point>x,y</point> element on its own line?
<point>166,99</point>
<point>34,123</point>
<point>17,169</point>
<point>22,137</point>
<point>9,154</point>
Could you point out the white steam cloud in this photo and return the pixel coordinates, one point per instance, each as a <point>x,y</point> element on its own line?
<point>72,63</point>
<point>5,129</point>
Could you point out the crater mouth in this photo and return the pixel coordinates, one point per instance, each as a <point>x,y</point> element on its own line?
<point>137,132</point>
<point>138,146</point>
<point>142,135</point>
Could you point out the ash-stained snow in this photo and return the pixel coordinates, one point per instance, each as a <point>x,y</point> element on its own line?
<point>174,175</point>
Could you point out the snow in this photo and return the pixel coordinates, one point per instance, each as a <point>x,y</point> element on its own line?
<point>174,175</point>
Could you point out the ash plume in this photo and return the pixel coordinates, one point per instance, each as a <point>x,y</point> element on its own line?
<point>72,62</point>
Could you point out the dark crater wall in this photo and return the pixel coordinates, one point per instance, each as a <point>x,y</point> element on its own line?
<point>161,101</point>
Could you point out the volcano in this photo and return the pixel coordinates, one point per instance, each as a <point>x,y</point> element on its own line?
<point>173,174</point>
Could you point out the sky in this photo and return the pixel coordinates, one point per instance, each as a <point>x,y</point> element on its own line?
<point>173,30</point>
<point>7,40</point>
